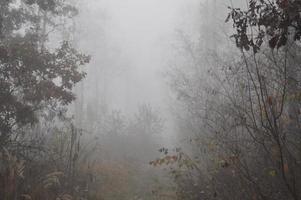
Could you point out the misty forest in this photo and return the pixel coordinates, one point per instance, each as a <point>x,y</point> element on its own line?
<point>150,99</point>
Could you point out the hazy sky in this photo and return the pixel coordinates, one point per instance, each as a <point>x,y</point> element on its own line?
<point>130,41</point>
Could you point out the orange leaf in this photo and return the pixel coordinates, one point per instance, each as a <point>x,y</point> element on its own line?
<point>285,168</point>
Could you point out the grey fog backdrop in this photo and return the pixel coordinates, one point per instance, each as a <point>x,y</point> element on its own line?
<point>150,100</point>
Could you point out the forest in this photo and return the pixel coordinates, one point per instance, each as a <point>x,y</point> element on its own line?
<point>150,100</point>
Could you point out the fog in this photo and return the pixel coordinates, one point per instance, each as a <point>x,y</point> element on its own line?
<point>150,100</point>
<point>129,42</point>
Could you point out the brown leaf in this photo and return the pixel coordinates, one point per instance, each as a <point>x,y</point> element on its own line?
<point>285,168</point>
<point>270,100</point>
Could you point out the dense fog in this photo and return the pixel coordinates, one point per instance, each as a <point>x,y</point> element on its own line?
<point>131,44</point>
<point>150,100</point>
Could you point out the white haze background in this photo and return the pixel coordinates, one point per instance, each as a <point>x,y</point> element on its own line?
<point>130,43</point>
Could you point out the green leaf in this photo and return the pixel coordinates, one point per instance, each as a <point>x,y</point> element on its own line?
<point>273,173</point>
